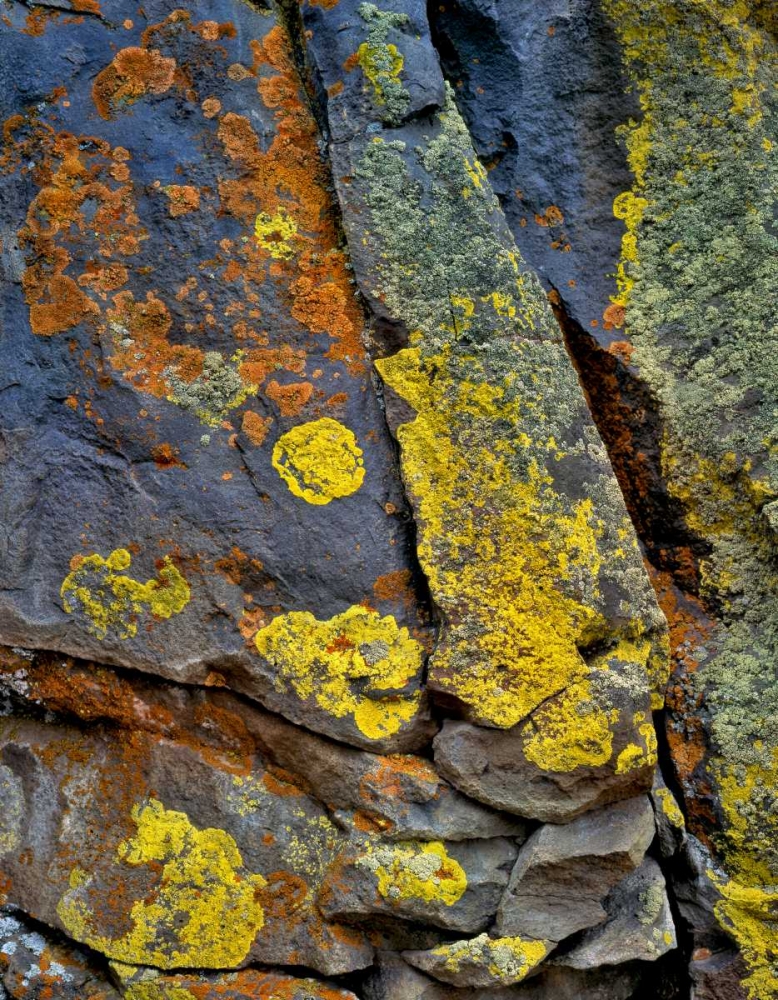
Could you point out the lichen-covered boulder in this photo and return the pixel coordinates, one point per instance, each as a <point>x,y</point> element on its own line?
<point>197,468</point>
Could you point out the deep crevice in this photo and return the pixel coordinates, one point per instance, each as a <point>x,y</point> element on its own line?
<point>627,417</point>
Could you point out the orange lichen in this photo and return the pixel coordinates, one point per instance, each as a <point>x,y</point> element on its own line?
<point>255,427</point>
<point>291,398</point>
<point>133,73</point>
<point>290,177</point>
<point>551,217</point>
<point>62,306</point>
<point>183,199</point>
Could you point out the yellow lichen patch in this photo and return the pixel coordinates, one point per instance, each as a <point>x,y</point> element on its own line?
<point>274,232</point>
<point>508,960</point>
<point>415,870</point>
<point>112,600</point>
<point>345,664</point>
<point>670,807</point>
<point>202,909</point>
<point>319,461</point>
<point>749,847</point>
<point>751,914</point>
<point>639,754</point>
<point>571,731</point>
<point>382,66</point>
<point>513,565</point>
<point>151,990</point>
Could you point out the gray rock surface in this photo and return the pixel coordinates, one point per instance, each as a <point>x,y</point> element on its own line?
<point>639,925</point>
<point>393,979</point>
<point>564,873</point>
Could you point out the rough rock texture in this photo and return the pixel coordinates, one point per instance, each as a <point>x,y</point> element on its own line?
<point>563,873</point>
<point>639,924</point>
<point>389,402</point>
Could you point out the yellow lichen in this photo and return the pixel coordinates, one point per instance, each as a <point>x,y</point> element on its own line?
<point>274,232</point>
<point>751,914</point>
<point>202,910</point>
<point>642,754</point>
<point>514,546</point>
<point>507,959</point>
<point>382,66</point>
<point>112,600</point>
<point>415,870</point>
<point>571,731</point>
<point>319,461</point>
<point>346,664</point>
<point>670,807</point>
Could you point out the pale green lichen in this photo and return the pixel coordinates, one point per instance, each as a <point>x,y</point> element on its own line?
<point>503,961</point>
<point>415,870</point>
<point>214,392</point>
<point>698,276</point>
<point>515,562</point>
<point>12,811</point>
<point>382,62</point>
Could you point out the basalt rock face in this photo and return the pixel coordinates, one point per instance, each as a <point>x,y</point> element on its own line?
<point>378,384</point>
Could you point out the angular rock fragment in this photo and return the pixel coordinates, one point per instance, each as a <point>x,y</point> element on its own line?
<point>393,979</point>
<point>452,885</point>
<point>401,795</point>
<point>497,766</point>
<point>670,824</point>
<point>36,964</point>
<point>639,925</point>
<point>564,873</point>
<point>481,961</point>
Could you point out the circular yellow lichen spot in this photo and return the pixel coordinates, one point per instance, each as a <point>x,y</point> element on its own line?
<point>319,461</point>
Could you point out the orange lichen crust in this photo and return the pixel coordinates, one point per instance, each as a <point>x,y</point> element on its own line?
<point>88,266</point>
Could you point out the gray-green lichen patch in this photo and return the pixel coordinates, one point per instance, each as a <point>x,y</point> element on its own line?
<point>382,62</point>
<point>213,393</point>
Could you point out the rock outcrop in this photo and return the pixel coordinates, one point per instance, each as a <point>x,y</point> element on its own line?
<point>388,568</point>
